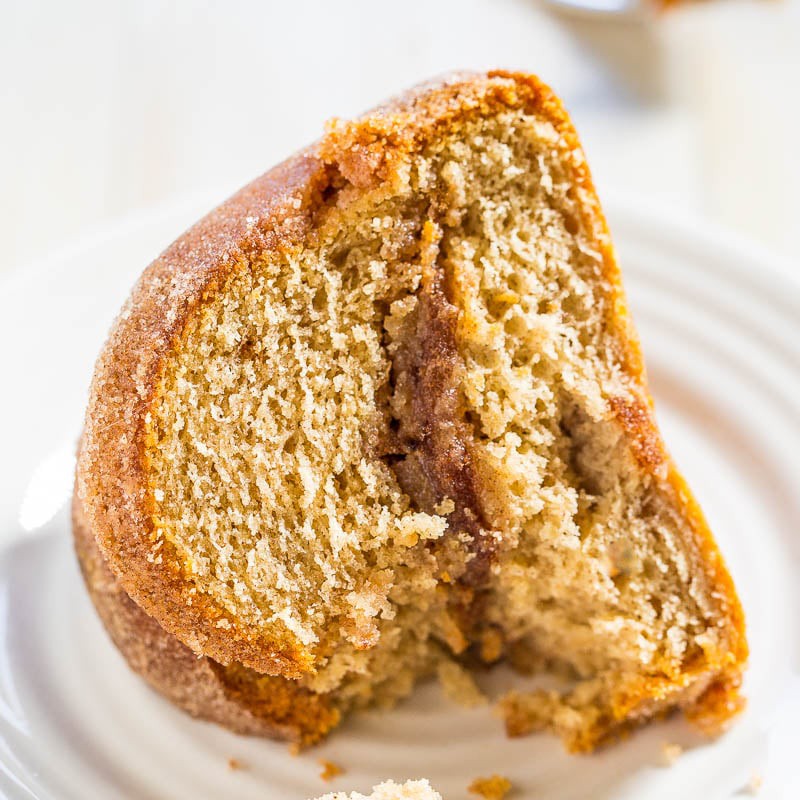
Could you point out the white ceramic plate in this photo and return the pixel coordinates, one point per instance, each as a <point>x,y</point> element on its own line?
<point>720,323</point>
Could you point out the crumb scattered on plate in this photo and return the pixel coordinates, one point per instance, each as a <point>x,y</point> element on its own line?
<point>495,787</point>
<point>670,752</point>
<point>234,763</point>
<point>755,783</point>
<point>329,770</point>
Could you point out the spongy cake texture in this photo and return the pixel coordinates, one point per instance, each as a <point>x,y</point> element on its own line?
<point>385,411</point>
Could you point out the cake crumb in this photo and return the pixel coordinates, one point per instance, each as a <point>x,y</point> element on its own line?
<point>234,764</point>
<point>670,753</point>
<point>294,749</point>
<point>329,769</point>
<point>491,645</point>
<point>459,686</point>
<point>755,783</point>
<point>527,712</point>
<point>447,506</point>
<point>495,787</point>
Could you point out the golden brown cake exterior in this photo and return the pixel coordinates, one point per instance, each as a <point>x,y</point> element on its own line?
<point>237,698</point>
<point>150,599</point>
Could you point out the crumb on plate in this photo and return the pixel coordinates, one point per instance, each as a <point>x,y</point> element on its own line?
<point>495,787</point>
<point>755,783</point>
<point>329,770</point>
<point>670,752</point>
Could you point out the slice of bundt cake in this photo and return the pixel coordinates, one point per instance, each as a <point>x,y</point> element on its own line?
<point>383,409</point>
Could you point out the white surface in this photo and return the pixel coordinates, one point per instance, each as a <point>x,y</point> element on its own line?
<point>721,330</point>
<point>113,105</point>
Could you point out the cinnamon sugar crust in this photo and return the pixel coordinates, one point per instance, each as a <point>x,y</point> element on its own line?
<point>241,700</point>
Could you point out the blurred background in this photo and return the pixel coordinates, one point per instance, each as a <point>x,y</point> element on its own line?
<point>113,107</point>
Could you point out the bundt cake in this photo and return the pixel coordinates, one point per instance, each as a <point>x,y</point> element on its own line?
<point>384,409</point>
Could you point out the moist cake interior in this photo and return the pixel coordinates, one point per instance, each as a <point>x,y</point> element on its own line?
<point>394,447</point>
